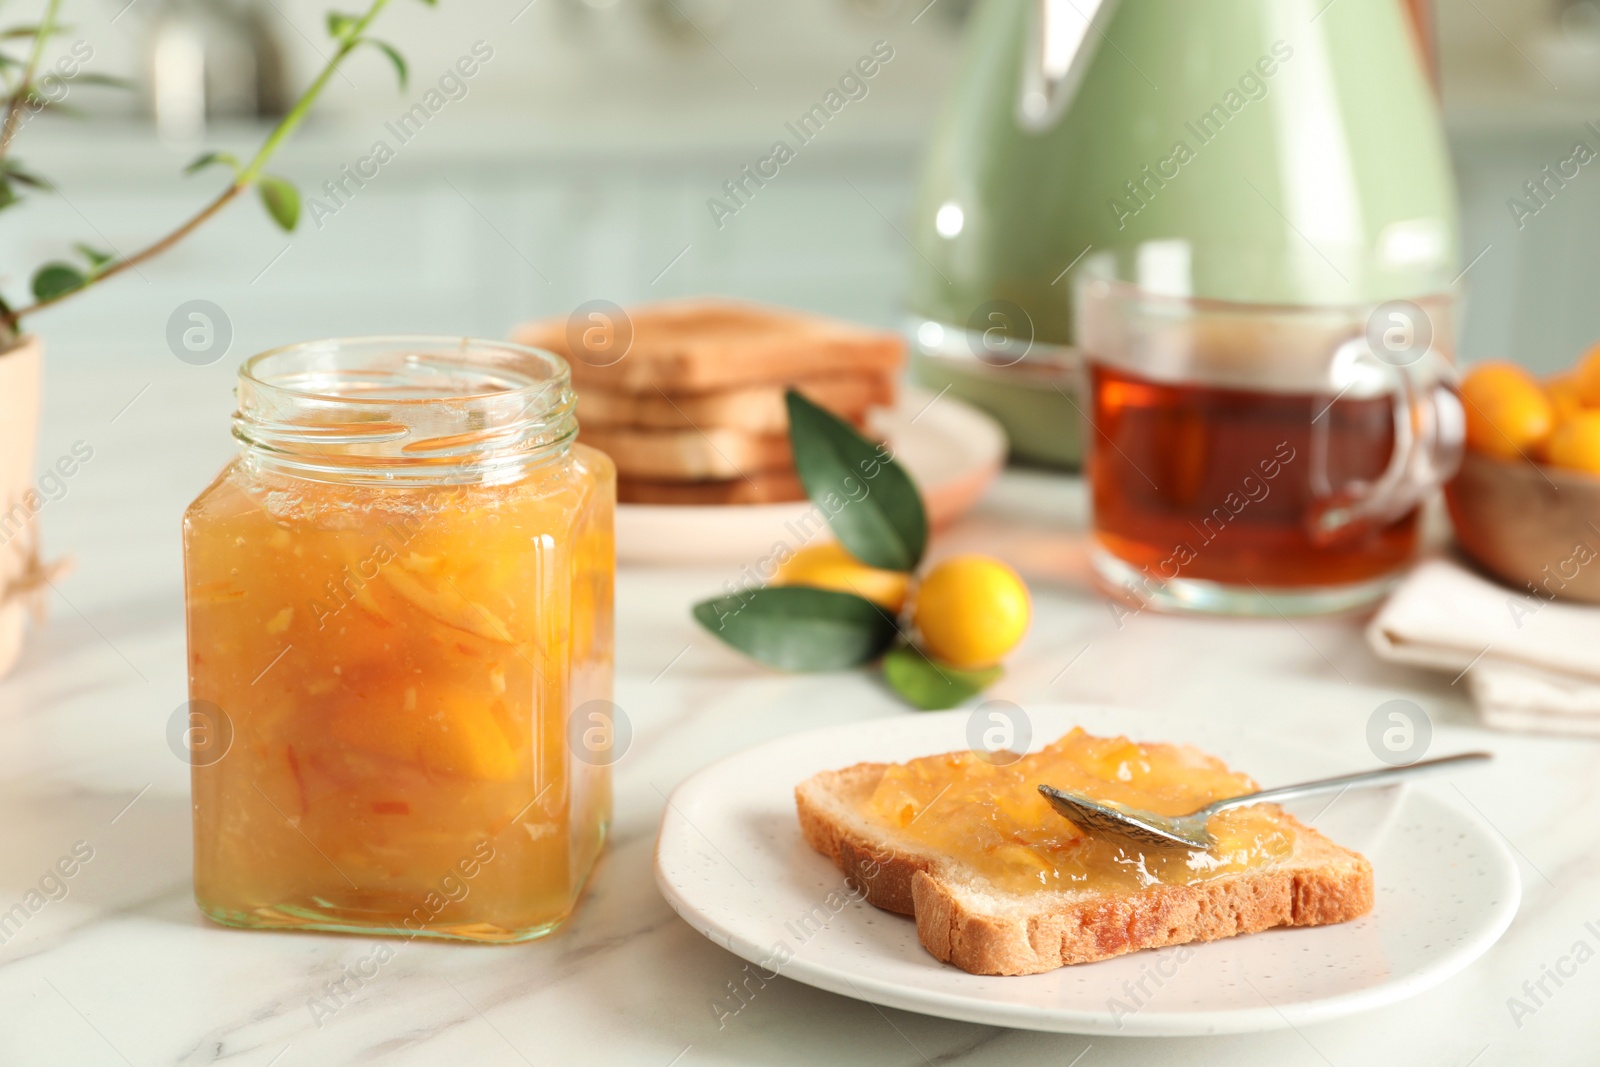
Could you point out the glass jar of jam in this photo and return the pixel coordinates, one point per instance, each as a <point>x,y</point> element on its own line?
<point>399,598</point>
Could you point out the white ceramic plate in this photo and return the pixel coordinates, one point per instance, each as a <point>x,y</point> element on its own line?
<point>732,862</point>
<point>951,450</point>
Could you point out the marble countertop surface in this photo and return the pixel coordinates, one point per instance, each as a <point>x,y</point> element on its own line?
<point>122,969</point>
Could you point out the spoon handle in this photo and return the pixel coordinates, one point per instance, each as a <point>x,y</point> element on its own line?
<point>1348,781</point>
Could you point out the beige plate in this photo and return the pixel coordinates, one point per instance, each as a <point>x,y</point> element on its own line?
<point>952,450</point>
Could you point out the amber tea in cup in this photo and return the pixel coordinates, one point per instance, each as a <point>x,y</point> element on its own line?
<point>1255,459</point>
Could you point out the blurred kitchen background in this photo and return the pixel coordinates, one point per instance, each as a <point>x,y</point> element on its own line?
<point>578,166</point>
<point>579,163</point>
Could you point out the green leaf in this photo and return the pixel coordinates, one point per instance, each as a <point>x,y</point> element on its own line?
<point>14,171</point>
<point>54,279</point>
<point>19,32</point>
<point>96,258</point>
<point>8,195</point>
<point>211,159</point>
<point>110,81</point>
<point>929,685</point>
<point>394,55</point>
<point>796,628</point>
<point>282,200</point>
<point>870,501</point>
<point>340,24</point>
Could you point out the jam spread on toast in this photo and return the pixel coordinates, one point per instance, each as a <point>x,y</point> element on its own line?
<point>988,816</point>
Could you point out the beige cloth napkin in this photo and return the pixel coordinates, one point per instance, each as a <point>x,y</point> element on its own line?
<point>1529,664</point>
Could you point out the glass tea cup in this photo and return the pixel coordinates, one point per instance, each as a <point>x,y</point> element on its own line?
<point>1257,459</point>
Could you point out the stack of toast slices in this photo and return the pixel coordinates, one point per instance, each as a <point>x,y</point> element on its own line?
<point>965,920</point>
<point>687,397</point>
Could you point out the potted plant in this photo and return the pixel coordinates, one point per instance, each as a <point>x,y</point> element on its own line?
<point>28,92</point>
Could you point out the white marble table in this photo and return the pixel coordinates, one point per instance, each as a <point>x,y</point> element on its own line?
<point>123,970</point>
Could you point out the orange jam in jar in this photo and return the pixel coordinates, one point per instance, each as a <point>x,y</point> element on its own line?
<point>988,814</point>
<point>399,606</point>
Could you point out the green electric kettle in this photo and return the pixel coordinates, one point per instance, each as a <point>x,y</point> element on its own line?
<point>1283,152</point>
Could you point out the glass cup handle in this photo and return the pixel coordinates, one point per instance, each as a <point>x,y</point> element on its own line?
<point>1429,434</point>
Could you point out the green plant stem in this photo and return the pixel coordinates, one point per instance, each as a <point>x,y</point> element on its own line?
<point>302,107</point>
<point>8,129</point>
<point>242,181</point>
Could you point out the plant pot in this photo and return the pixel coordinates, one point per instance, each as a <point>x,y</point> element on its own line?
<point>20,572</point>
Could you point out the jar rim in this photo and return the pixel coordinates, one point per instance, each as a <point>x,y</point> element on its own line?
<point>404,407</point>
<point>248,370</point>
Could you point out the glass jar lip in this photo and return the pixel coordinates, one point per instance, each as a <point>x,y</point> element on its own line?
<point>404,408</point>
<point>560,375</point>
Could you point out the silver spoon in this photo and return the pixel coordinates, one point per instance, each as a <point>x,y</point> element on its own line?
<point>1109,819</point>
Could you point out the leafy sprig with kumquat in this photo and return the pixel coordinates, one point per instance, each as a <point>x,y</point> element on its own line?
<point>940,637</point>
